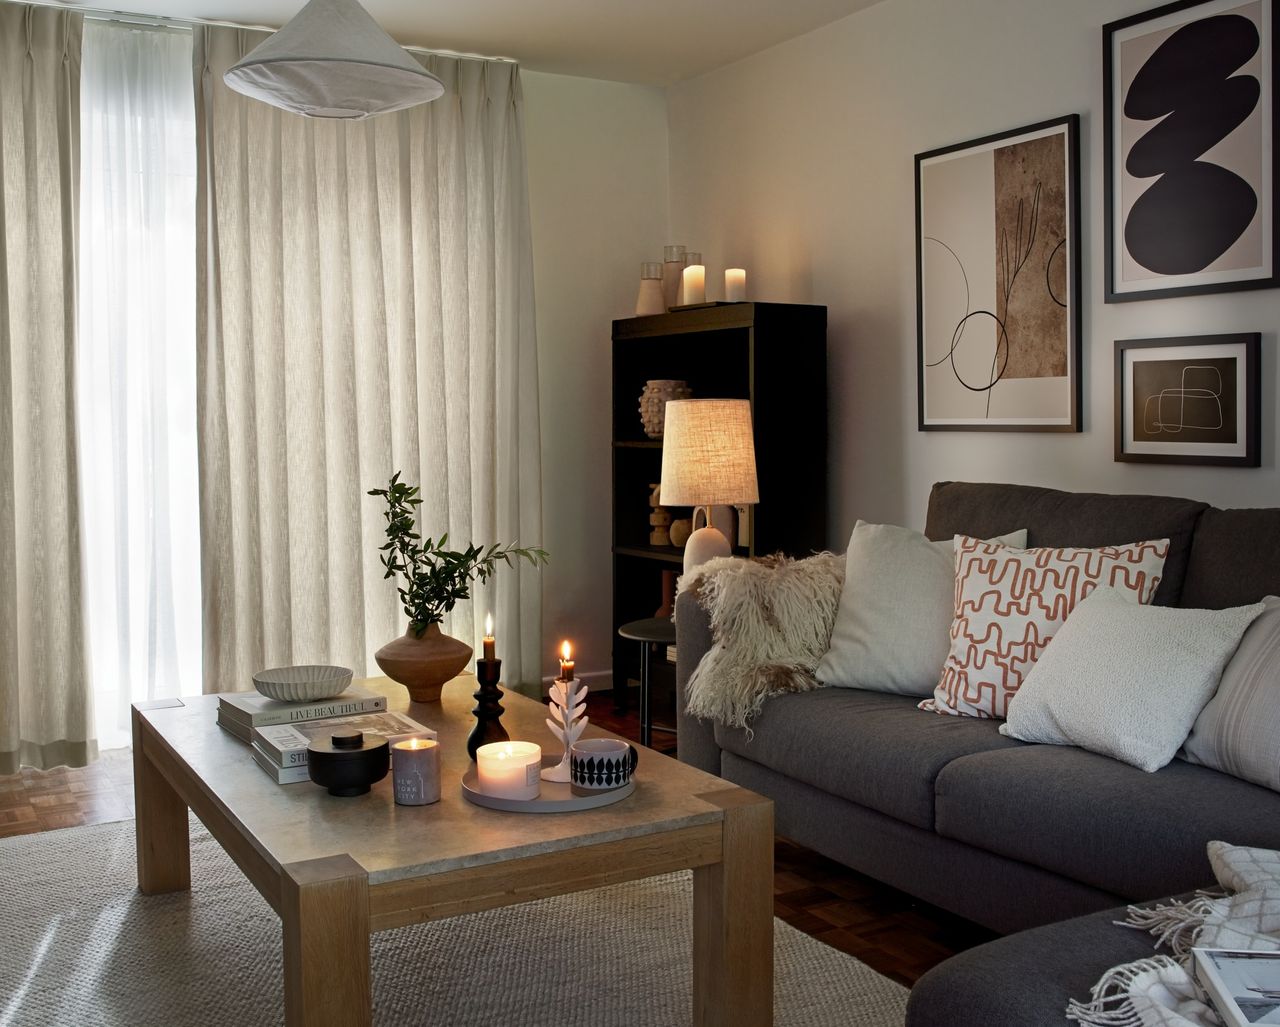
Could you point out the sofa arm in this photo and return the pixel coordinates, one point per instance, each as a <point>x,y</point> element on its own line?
<point>695,738</point>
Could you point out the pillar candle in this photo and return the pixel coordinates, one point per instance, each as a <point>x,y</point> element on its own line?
<point>509,770</point>
<point>735,285</point>
<point>695,284</point>
<point>566,663</point>
<point>415,771</point>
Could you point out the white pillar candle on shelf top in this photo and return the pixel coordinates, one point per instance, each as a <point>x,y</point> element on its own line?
<point>735,285</point>
<point>509,770</point>
<point>694,284</point>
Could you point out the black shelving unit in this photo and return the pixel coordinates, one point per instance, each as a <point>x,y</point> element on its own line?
<point>773,354</point>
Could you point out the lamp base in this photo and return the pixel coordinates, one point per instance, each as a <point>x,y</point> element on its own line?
<point>703,545</point>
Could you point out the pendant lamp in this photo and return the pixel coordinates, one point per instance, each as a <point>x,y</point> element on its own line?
<point>333,61</point>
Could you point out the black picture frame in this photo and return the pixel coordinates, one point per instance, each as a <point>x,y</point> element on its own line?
<point>1245,400</point>
<point>1070,399</point>
<point>1164,233</point>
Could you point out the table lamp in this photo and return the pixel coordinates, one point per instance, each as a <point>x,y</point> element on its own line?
<point>708,459</point>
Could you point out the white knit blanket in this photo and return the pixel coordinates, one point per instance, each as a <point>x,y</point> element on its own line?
<point>771,622</point>
<point>1160,991</point>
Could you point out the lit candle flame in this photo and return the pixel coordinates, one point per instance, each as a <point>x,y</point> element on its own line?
<point>488,625</point>
<point>565,651</point>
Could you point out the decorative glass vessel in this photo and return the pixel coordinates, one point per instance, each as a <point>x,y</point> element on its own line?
<point>672,268</point>
<point>649,300</point>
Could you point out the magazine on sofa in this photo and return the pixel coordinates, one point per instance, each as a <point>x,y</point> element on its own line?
<point>1244,987</point>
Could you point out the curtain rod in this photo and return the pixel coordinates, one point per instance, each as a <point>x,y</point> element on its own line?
<point>161,21</point>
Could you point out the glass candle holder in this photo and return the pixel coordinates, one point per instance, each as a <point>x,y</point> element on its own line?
<point>650,300</point>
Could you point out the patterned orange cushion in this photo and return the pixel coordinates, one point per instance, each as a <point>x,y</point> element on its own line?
<point>1011,602</point>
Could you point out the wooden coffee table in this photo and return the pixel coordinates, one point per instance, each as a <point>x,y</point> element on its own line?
<point>335,870</point>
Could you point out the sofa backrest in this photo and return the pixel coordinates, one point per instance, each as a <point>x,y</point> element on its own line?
<point>1054,518</point>
<point>1235,559</point>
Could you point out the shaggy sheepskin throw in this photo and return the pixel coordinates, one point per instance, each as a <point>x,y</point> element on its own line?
<point>771,622</point>
<point>1160,991</point>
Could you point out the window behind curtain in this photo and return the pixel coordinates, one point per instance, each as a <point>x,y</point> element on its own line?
<point>136,369</point>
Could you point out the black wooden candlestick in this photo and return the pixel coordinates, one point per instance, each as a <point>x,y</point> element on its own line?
<point>488,709</point>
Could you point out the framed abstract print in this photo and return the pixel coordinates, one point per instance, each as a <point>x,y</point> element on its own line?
<point>998,282</point>
<point>1193,400</point>
<point>1189,140</point>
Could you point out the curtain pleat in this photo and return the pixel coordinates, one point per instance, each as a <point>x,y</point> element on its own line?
<point>45,709</point>
<point>365,306</point>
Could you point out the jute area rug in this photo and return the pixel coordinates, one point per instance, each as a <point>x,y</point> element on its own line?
<point>79,945</point>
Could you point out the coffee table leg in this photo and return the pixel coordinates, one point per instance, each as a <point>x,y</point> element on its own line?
<point>160,825</point>
<point>733,919</point>
<point>324,912</point>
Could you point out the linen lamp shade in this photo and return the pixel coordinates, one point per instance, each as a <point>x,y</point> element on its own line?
<point>708,459</point>
<point>333,61</point>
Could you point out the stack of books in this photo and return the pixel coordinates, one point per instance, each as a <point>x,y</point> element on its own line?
<point>279,732</point>
<point>281,749</point>
<point>241,712</point>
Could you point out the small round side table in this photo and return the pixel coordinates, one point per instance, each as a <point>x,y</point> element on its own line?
<point>649,632</point>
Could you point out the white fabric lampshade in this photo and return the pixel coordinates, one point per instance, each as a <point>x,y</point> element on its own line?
<point>333,61</point>
<point>708,453</point>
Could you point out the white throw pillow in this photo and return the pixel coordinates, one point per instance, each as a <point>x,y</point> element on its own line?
<point>1126,680</point>
<point>895,611</point>
<point>1238,732</point>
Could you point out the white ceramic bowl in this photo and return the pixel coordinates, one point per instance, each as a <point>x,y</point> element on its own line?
<point>302,684</point>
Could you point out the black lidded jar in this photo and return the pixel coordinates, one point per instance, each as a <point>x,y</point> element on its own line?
<point>348,762</point>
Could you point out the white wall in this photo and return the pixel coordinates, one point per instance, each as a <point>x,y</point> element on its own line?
<point>598,163</point>
<point>797,163</point>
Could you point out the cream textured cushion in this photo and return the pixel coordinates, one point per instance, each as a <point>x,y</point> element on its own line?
<point>895,608</point>
<point>1124,680</point>
<point>1011,602</point>
<point>1238,732</point>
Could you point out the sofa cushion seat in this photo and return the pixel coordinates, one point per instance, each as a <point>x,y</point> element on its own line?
<point>1101,822</point>
<point>872,748</point>
<point>1026,979</point>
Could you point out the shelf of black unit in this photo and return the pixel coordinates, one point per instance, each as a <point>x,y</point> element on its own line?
<point>663,553</point>
<point>637,444</point>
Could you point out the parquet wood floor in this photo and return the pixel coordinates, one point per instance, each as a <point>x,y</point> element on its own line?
<point>888,930</point>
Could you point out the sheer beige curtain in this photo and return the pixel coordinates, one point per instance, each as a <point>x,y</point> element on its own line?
<point>45,712</point>
<point>366,305</point>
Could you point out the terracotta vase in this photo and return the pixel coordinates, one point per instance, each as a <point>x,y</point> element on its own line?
<point>424,664</point>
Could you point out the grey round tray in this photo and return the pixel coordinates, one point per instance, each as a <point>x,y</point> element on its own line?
<point>555,796</point>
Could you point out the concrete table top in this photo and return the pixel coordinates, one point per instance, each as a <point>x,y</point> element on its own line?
<point>292,823</point>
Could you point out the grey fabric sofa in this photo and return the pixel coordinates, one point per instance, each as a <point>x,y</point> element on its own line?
<point>1010,835</point>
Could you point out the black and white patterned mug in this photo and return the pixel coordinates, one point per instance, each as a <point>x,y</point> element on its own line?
<point>599,764</point>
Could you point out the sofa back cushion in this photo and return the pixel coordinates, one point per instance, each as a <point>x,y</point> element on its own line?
<point>1077,519</point>
<point>1235,559</point>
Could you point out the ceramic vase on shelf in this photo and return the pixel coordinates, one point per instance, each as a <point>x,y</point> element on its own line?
<point>649,301</point>
<point>424,664</point>
<point>653,403</point>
